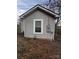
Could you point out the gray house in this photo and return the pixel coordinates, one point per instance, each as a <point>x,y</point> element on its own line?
<point>38,22</point>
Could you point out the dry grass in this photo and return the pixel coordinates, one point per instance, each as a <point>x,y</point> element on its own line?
<point>37,49</point>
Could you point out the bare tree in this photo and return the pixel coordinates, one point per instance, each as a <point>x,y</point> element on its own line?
<point>55,6</point>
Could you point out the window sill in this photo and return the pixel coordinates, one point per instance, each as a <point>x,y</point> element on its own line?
<point>38,33</point>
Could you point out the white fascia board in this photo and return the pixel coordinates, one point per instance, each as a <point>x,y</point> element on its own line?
<point>48,11</point>
<point>40,8</point>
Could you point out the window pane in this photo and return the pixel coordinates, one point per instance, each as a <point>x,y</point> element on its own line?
<point>38,26</point>
<point>37,29</point>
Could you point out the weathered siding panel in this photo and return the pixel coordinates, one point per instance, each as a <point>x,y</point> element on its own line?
<point>28,25</point>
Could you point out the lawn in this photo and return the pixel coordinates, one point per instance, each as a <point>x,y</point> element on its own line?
<point>37,48</point>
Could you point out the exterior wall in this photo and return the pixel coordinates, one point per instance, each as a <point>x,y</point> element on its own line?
<point>27,25</point>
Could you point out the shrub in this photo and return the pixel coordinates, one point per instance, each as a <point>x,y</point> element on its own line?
<point>18,29</point>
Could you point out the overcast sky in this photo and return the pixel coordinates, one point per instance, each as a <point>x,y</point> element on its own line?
<point>24,5</point>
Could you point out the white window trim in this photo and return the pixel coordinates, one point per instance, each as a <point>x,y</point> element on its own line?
<point>41,26</point>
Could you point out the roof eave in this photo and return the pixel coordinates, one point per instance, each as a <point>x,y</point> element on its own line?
<point>39,7</point>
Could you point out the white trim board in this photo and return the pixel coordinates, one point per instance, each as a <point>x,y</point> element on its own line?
<point>41,26</point>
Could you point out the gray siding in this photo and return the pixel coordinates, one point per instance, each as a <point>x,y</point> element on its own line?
<point>27,25</point>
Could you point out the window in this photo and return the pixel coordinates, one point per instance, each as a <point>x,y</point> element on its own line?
<point>38,26</point>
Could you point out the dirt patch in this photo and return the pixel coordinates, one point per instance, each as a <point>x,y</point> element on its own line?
<point>37,49</point>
